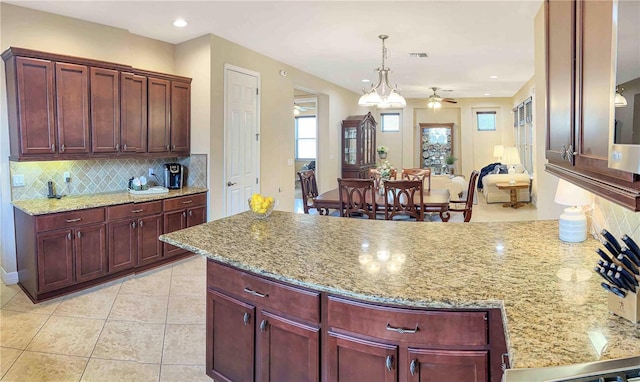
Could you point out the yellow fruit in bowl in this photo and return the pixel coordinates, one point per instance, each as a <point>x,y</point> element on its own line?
<point>261,206</point>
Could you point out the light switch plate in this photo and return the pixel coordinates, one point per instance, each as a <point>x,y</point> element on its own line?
<point>18,180</point>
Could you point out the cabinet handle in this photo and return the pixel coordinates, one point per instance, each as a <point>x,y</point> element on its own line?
<point>184,214</point>
<point>190,213</point>
<point>79,234</point>
<point>133,225</point>
<point>402,330</point>
<point>253,292</point>
<point>388,362</point>
<point>263,325</point>
<point>73,220</point>
<point>570,153</point>
<point>62,148</point>
<point>167,147</point>
<point>53,147</point>
<point>188,201</point>
<point>136,211</point>
<point>69,236</point>
<point>563,152</point>
<point>413,367</point>
<point>246,318</point>
<point>505,361</point>
<point>141,224</point>
<point>117,147</point>
<point>124,147</point>
<point>173,148</point>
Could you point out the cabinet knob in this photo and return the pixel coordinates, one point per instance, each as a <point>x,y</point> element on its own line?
<point>173,148</point>
<point>563,152</point>
<point>117,147</point>
<point>246,318</point>
<point>62,148</point>
<point>69,236</point>
<point>124,147</point>
<point>388,363</point>
<point>263,325</point>
<point>53,147</point>
<point>141,224</point>
<point>413,367</point>
<point>184,214</point>
<point>167,147</point>
<point>79,234</point>
<point>190,213</point>
<point>570,153</point>
<point>133,225</point>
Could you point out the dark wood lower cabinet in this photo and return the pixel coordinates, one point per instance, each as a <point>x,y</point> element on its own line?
<point>361,341</point>
<point>428,365</point>
<point>149,247</point>
<point>90,245</point>
<point>55,260</point>
<point>122,245</point>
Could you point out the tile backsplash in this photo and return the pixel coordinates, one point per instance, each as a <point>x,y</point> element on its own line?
<point>616,219</point>
<point>98,175</point>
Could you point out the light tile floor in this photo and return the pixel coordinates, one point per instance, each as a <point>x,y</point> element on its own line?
<point>147,327</point>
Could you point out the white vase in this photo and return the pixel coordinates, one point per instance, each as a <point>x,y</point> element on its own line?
<point>382,155</point>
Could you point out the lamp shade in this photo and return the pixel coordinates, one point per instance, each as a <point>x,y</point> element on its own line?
<point>569,194</point>
<point>498,151</point>
<point>511,156</point>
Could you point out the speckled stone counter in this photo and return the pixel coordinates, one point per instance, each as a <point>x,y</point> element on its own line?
<point>70,203</point>
<point>551,299</point>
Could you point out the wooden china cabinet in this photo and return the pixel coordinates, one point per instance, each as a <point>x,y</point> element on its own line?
<point>358,146</point>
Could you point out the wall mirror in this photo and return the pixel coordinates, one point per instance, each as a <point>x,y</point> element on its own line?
<point>625,151</point>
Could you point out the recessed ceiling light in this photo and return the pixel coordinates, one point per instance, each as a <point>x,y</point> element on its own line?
<point>180,23</point>
<point>366,80</point>
<point>494,77</point>
<point>487,93</point>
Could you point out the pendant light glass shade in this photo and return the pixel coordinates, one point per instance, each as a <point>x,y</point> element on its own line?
<point>388,96</point>
<point>619,100</point>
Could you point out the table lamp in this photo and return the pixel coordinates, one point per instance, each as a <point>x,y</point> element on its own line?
<point>573,221</point>
<point>498,151</point>
<point>511,158</point>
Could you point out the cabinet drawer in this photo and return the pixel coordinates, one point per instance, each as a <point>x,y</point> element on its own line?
<point>184,202</point>
<point>432,327</point>
<point>69,219</point>
<point>134,210</point>
<point>264,293</point>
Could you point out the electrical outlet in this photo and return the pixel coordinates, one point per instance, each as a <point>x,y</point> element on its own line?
<point>18,180</point>
<point>151,171</point>
<point>67,176</point>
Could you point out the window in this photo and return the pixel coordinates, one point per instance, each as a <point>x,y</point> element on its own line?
<point>486,120</point>
<point>390,122</point>
<point>306,137</point>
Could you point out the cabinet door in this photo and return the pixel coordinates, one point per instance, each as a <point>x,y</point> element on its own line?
<point>159,115</point>
<point>196,215</point>
<point>174,221</point>
<point>35,106</point>
<point>72,108</point>
<point>90,252</point>
<point>354,359</point>
<point>180,117</point>
<point>287,350</point>
<point>133,113</point>
<point>447,365</point>
<point>105,110</point>
<point>149,247</point>
<point>230,338</point>
<point>560,80</point>
<point>55,260</point>
<point>123,245</point>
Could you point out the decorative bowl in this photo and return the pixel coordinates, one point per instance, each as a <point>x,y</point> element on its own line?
<point>261,215</point>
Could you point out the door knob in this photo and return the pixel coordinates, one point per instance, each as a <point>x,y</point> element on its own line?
<point>230,183</point>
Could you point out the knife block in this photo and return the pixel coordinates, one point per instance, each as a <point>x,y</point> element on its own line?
<point>628,307</point>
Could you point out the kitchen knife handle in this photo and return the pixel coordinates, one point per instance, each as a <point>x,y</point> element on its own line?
<point>609,237</point>
<point>628,275</point>
<point>631,244</point>
<point>402,330</point>
<point>632,256</point>
<point>614,290</point>
<point>622,281</point>
<point>627,263</point>
<point>616,282</point>
<point>611,249</point>
<point>604,256</point>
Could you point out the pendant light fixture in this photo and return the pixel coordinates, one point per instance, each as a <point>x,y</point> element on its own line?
<point>619,100</point>
<point>388,96</point>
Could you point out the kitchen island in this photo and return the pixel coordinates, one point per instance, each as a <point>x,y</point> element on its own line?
<point>553,310</point>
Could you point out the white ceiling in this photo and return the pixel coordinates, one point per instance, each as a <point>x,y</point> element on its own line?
<point>467,41</point>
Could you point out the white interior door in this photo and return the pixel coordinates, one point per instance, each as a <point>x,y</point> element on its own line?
<point>242,133</point>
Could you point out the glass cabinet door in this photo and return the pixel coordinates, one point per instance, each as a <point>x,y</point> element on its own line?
<point>350,145</point>
<point>436,145</point>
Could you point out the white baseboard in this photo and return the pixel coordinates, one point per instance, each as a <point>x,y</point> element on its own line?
<point>9,278</point>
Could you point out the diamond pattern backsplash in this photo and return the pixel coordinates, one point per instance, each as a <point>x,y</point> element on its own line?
<point>98,175</point>
<point>616,219</point>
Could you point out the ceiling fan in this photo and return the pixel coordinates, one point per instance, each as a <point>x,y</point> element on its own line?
<point>435,101</point>
<point>297,109</point>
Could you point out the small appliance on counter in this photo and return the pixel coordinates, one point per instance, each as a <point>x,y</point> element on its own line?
<point>173,175</point>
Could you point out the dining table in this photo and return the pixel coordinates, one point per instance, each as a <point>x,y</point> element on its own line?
<point>433,201</point>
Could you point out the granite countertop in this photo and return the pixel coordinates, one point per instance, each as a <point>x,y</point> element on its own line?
<point>552,302</point>
<point>69,203</point>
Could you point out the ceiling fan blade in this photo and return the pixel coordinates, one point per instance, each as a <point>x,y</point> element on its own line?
<point>450,100</point>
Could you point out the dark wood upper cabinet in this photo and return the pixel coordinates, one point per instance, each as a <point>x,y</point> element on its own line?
<point>133,113</point>
<point>358,146</point>
<point>31,106</point>
<point>105,110</point>
<point>180,117</point>
<point>579,92</point>
<point>63,107</point>
<point>72,108</point>
<point>159,112</point>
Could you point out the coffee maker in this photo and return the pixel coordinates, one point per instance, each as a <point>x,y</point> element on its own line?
<point>173,175</point>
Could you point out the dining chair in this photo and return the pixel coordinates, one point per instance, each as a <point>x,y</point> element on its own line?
<point>403,198</point>
<point>374,174</point>
<point>309,189</point>
<point>466,205</point>
<point>418,174</point>
<point>357,198</point>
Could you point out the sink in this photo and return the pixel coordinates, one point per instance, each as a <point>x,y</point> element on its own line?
<point>150,190</point>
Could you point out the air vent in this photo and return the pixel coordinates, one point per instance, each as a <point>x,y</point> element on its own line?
<point>418,55</point>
